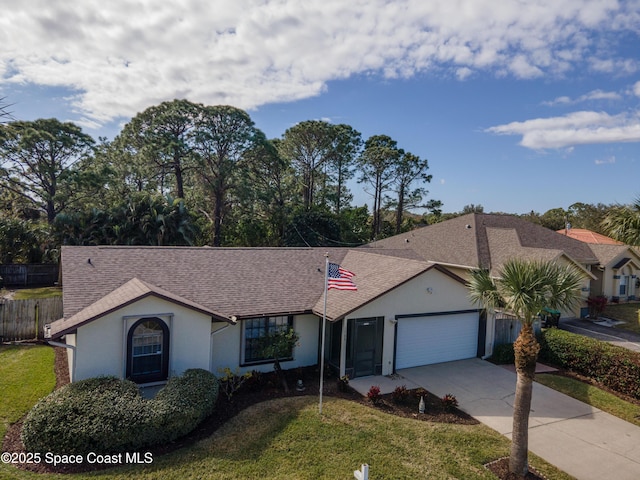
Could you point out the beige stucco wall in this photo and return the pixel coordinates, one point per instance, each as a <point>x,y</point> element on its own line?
<point>101,344</point>
<point>226,344</point>
<point>430,292</point>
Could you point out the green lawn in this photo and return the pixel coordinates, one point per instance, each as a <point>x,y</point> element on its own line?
<point>286,438</point>
<point>26,374</point>
<point>627,312</point>
<point>594,396</point>
<point>34,293</point>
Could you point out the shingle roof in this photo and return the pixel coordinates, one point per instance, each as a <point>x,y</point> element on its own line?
<point>231,281</point>
<point>587,236</point>
<point>608,253</point>
<point>474,240</point>
<point>135,289</point>
<point>222,282</point>
<point>375,275</point>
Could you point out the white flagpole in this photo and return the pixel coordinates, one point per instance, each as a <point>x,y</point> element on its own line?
<point>324,322</point>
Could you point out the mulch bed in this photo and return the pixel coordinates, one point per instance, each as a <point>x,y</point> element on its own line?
<point>268,389</point>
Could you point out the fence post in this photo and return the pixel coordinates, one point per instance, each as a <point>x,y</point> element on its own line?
<point>36,313</point>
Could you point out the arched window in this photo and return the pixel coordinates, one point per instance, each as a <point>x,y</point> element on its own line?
<point>148,351</point>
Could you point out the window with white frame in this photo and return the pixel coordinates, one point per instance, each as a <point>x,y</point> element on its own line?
<point>624,282</point>
<point>256,329</point>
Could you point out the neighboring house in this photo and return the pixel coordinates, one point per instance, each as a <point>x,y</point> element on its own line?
<point>587,236</point>
<point>618,273</point>
<point>618,270</point>
<point>147,313</point>
<point>488,241</point>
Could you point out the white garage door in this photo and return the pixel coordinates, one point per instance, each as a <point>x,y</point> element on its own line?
<point>436,339</point>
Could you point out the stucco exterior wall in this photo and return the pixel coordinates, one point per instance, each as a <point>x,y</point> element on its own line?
<point>430,292</point>
<point>101,345</point>
<point>226,344</point>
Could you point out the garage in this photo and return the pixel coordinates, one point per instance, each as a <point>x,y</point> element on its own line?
<point>423,340</point>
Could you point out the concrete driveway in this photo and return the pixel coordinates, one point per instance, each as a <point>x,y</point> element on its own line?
<point>579,439</point>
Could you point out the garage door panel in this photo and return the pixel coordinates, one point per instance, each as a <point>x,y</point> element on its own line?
<point>436,339</point>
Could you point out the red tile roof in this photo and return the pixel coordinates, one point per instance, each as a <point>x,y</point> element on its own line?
<point>587,236</point>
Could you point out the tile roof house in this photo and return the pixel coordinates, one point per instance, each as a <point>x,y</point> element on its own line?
<point>147,313</point>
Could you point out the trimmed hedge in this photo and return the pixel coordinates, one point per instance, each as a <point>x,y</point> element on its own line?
<point>503,354</point>
<point>108,415</point>
<point>616,367</point>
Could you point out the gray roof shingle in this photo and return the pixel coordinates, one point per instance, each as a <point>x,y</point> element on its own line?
<point>223,282</point>
<point>484,241</point>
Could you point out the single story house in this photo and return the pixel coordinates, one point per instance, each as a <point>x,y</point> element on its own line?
<point>147,313</point>
<point>618,270</point>
<point>487,241</point>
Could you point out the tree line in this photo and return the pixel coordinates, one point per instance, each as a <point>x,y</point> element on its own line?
<point>181,173</point>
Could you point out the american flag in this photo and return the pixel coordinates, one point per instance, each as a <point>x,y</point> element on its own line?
<point>339,278</point>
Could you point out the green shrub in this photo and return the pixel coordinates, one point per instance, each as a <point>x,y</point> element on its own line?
<point>615,367</point>
<point>503,354</point>
<point>400,394</point>
<point>108,415</point>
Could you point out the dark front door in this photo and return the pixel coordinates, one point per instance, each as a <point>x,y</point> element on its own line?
<point>365,342</point>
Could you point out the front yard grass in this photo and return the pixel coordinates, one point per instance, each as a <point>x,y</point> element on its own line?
<point>26,375</point>
<point>592,395</point>
<point>627,312</point>
<point>284,438</point>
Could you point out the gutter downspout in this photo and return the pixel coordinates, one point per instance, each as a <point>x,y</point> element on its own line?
<point>215,332</point>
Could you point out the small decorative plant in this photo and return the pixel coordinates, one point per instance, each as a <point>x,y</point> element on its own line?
<point>449,402</point>
<point>400,394</point>
<point>596,305</point>
<point>374,395</point>
<point>232,381</point>
<point>343,383</point>
<point>420,392</point>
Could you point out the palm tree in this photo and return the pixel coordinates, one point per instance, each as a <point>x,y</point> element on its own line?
<point>524,288</point>
<point>623,223</point>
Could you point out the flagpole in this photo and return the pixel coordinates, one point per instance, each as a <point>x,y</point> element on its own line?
<point>324,322</point>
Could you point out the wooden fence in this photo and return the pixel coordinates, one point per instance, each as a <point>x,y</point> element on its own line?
<point>29,275</point>
<point>25,319</point>
<point>508,328</point>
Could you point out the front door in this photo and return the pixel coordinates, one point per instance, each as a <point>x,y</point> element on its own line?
<point>365,341</point>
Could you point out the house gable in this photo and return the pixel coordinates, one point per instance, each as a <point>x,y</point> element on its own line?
<point>132,291</point>
<point>469,241</point>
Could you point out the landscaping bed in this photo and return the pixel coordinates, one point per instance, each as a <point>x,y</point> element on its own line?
<point>269,388</point>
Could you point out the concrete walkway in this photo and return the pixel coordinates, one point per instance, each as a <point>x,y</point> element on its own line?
<point>579,439</point>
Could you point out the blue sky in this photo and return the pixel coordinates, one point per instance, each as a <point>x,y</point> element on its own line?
<point>518,106</point>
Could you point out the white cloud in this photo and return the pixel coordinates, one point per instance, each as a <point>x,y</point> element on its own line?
<point>577,128</point>
<point>442,181</point>
<point>636,89</point>
<point>605,161</point>
<point>121,56</point>
<point>593,95</point>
